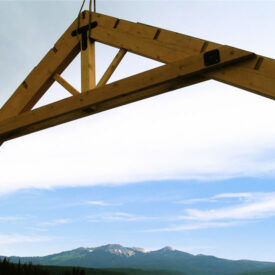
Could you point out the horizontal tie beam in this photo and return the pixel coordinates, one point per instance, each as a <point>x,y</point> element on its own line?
<point>153,82</point>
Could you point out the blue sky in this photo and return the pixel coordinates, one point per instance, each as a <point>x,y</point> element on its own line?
<point>193,169</point>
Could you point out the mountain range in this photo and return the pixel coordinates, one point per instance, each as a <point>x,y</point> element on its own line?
<point>167,258</point>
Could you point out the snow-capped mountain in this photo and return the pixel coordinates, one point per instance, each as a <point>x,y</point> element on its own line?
<point>167,258</point>
<point>116,249</point>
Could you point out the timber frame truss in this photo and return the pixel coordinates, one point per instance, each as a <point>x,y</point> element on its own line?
<point>187,61</point>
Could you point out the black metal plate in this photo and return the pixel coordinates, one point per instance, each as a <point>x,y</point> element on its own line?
<point>211,57</point>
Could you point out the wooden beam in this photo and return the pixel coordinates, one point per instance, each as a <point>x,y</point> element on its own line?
<point>143,85</point>
<point>88,78</point>
<point>72,90</point>
<point>41,77</point>
<point>245,76</point>
<point>145,47</point>
<point>112,67</point>
<point>256,75</point>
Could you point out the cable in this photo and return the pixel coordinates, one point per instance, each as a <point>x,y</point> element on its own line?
<point>90,17</point>
<point>78,18</point>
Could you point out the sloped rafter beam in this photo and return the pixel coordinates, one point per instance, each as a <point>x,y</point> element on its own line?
<point>140,86</point>
<point>41,77</point>
<point>256,75</point>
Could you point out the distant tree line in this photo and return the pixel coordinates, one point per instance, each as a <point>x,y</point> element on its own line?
<point>8,268</point>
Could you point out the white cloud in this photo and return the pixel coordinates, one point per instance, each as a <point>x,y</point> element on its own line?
<point>100,203</point>
<point>39,229</point>
<point>194,138</point>
<point>55,222</point>
<point>218,197</point>
<point>11,219</point>
<point>194,201</point>
<point>245,207</point>
<point>16,238</point>
<point>194,226</point>
<point>117,217</point>
<point>235,195</point>
<point>257,206</point>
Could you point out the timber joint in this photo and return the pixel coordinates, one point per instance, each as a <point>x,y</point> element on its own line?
<point>83,31</point>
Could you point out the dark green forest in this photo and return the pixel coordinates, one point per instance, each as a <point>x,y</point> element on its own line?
<point>271,272</point>
<point>8,268</point>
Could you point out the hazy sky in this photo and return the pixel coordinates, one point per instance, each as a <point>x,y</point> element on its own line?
<point>193,169</point>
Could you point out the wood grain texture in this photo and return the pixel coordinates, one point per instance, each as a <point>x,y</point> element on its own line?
<point>88,77</point>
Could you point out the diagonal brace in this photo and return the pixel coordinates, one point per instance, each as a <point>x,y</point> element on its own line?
<point>104,79</point>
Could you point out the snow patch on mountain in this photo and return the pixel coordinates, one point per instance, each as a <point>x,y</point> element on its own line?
<point>124,251</point>
<point>138,249</point>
